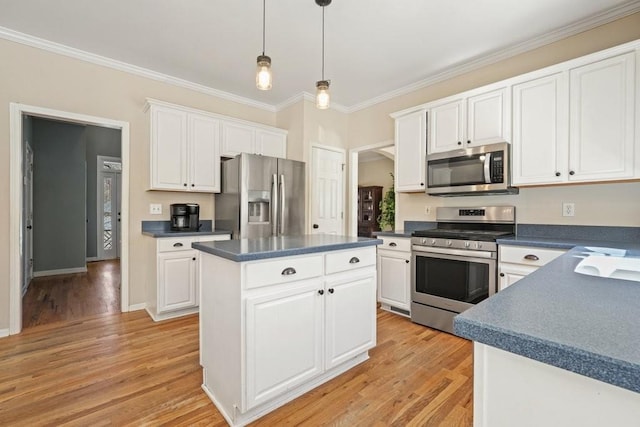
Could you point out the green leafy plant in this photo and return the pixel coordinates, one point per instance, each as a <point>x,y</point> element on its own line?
<point>387,215</point>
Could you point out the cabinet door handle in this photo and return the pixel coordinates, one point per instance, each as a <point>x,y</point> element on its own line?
<point>406,261</point>
<point>468,141</point>
<point>288,271</point>
<point>531,257</point>
<point>193,185</point>
<point>194,258</point>
<point>557,173</point>
<point>501,274</point>
<point>459,142</point>
<point>572,173</point>
<point>354,260</point>
<point>185,184</point>
<point>331,290</point>
<point>178,245</point>
<point>321,291</point>
<point>393,244</point>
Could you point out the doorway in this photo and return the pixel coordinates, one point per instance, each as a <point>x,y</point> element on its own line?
<point>109,207</point>
<point>18,271</point>
<point>369,165</point>
<point>327,190</point>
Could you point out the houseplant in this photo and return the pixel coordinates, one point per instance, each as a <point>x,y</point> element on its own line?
<point>387,215</point>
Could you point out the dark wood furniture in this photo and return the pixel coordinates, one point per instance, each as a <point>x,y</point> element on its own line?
<point>368,210</point>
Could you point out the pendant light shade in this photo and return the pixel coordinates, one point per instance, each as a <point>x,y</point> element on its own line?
<point>263,73</point>
<point>323,97</point>
<point>264,78</point>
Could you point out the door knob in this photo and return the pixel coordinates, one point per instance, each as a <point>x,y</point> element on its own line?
<point>316,226</point>
<point>29,227</point>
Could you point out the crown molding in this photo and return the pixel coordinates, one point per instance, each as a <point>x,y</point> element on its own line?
<point>39,43</point>
<point>480,61</point>
<point>306,96</point>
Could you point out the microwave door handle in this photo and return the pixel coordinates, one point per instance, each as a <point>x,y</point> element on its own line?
<point>274,205</point>
<point>487,168</point>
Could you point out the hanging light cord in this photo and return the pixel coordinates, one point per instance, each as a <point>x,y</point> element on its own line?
<point>264,8</point>
<point>322,42</point>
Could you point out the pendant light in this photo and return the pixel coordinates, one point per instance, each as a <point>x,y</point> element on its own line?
<point>322,86</point>
<point>263,74</point>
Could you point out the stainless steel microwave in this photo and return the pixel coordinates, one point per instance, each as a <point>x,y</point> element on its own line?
<point>473,171</point>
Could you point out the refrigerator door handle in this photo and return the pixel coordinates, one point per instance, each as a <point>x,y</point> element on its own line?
<point>282,206</point>
<point>274,205</point>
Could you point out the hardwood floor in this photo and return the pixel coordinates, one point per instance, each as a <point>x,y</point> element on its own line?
<point>125,369</point>
<point>73,296</point>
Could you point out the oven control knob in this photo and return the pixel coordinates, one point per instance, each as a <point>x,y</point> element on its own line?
<point>449,243</point>
<point>433,242</point>
<point>479,245</point>
<point>467,244</point>
<point>423,241</point>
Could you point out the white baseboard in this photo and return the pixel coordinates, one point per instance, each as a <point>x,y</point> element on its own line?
<point>60,271</point>
<point>92,258</point>
<point>4,333</point>
<point>136,307</point>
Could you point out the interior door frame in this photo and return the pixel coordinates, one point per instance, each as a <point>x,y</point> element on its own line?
<point>354,154</point>
<point>27,219</point>
<point>16,112</point>
<point>343,152</point>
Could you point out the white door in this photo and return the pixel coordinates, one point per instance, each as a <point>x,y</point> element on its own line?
<point>411,149</point>
<point>283,340</point>
<point>204,153</point>
<point>28,219</point>
<point>271,144</point>
<point>394,277</point>
<point>236,139</point>
<point>350,318</point>
<point>327,191</point>
<point>446,129</point>
<point>487,118</point>
<point>178,286</point>
<point>108,210</point>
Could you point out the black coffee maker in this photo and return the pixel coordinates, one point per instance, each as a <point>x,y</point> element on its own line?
<point>185,217</point>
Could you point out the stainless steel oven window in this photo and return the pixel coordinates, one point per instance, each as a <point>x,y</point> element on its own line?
<point>468,170</point>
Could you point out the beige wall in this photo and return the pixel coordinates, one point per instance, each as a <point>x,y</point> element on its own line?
<point>36,77</point>
<point>376,172</point>
<point>611,204</point>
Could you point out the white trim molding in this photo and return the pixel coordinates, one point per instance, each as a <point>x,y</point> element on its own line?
<point>59,272</point>
<point>16,111</point>
<point>136,307</point>
<point>4,333</point>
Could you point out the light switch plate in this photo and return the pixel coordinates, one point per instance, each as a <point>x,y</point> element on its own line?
<point>155,209</point>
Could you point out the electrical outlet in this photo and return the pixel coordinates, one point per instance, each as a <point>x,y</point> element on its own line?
<point>427,210</point>
<point>568,209</point>
<point>155,209</point>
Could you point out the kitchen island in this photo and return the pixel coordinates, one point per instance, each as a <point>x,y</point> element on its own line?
<point>559,347</point>
<point>281,315</point>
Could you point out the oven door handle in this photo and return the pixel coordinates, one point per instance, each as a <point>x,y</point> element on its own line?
<point>487,168</point>
<point>457,252</point>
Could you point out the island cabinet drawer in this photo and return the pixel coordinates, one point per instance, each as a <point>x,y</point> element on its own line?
<point>282,270</point>
<point>528,255</point>
<point>172,244</point>
<point>350,259</point>
<point>395,244</point>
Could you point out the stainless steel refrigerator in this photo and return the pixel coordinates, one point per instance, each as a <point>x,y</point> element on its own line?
<point>261,197</point>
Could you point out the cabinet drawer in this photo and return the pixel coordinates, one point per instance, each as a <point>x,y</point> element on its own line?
<point>395,244</point>
<point>350,259</point>
<point>172,244</point>
<point>282,270</point>
<point>528,255</point>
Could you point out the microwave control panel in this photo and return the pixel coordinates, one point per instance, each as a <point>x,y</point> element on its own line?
<point>497,168</point>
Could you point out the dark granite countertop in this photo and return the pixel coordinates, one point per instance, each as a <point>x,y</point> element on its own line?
<point>397,233</point>
<point>274,247</point>
<point>163,229</point>
<point>584,324</point>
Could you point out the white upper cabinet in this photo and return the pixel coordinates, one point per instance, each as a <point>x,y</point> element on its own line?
<point>576,125</point>
<point>469,119</point>
<point>602,119</point>
<point>243,138</point>
<point>185,150</point>
<point>411,149</point>
<point>540,130</point>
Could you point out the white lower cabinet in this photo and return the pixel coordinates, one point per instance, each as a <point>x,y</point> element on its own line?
<point>394,274</point>
<point>264,343</point>
<point>173,286</point>
<point>515,262</point>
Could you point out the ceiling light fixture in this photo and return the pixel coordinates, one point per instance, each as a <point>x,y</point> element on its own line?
<point>322,86</point>
<point>264,77</point>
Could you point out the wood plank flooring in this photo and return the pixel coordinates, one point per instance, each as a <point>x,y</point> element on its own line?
<point>73,296</point>
<point>125,369</point>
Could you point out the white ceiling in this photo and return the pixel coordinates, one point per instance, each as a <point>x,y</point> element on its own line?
<point>373,48</point>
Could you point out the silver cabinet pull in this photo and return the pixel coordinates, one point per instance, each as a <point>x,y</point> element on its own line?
<point>531,257</point>
<point>178,245</point>
<point>393,244</point>
<point>288,271</point>
<point>354,260</point>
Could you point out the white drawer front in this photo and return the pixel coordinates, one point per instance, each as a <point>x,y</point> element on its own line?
<point>528,255</point>
<point>350,259</point>
<point>171,244</point>
<point>282,270</point>
<point>395,243</point>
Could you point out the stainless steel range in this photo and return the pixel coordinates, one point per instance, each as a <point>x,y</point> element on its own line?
<point>455,264</point>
